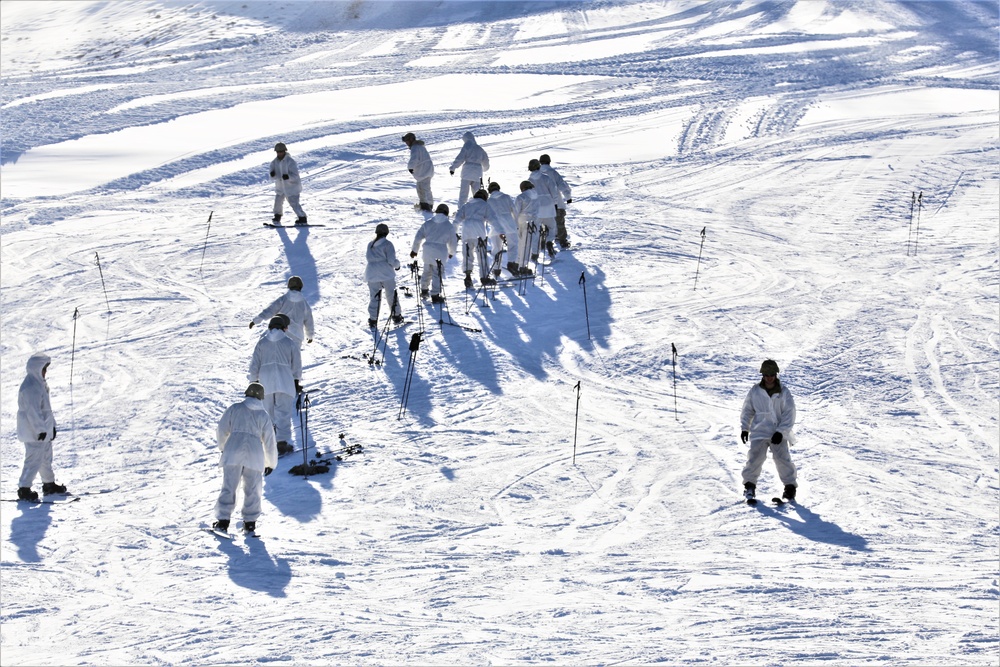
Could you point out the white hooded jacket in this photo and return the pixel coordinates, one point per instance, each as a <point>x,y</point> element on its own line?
<point>472,159</point>
<point>547,194</point>
<point>34,411</point>
<point>501,214</point>
<point>437,236</point>
<point>382,262</point>
<point>246,436</point>
<point>293,304</point>
<point>562,190</point>
<point>420,161</point>
<point>286,167</point>
<point>472,217</point>
<point>762,415</point>
<point>526,207</point>
<point>276,363</point>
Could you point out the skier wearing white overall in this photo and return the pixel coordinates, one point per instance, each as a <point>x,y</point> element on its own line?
<point>380,274</point>
<point>767,421</point>
<point>438,239</point>
<point>422,169</point>
<point>293,304</point>
<point>502,217</point>
<point>36,428</point>
<point>475,248</point>
<point>246,437</point>
<point>474,162</point>
<point>287,184</point>
<point>277,364</point>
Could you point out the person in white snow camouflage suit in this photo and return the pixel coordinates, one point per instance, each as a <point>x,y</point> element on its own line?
<point>380,274</point>
<point>422,168</point>
<point>287,184</point>
<point>548,193</point>
<point>36,428</point>
<point>502,217</point>
<point>767,422</point>
<point>294,305</point>
<point>475,246</point>
<point>526,210</point>
<point>474,162</point>
<point>277,364</point>
<point>246,437</point>
<point>564,195</point>
<point>439,241</point>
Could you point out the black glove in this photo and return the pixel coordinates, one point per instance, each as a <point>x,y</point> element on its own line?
<point>53,432</point>
<point>412,255</point>
<point>451,171</point>
<point>251,324</point>
<point>776,438</point>
<point>284,177</point>
<point>41,436</point>
<point>744,436</point>
<point>272,173</point>
<point>411,171</point>
<point>569,201</point>
<point>298,387</point>
<point>309,340</point>
<point>268,471</point>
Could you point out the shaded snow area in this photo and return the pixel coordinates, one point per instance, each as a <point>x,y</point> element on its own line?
<point>546,483</point>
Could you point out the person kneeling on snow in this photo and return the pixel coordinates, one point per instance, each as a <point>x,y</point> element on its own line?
<point>767,420</point>
<point>246,438</point>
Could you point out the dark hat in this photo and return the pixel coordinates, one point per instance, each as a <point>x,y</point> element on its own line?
<point>442,208</point>
<point>544,158</point>
<point>381,229</point>
<point>527,185</point>
<point>534,165</point>
<point>280,148</point>
<point>481,194</point>
<point>295,283</point>
<point>494,186</point>
<point>769,367</point>
<point>286,319</point>
<point>255,389</point>
<point>277,322</point>
<point>408,137</point>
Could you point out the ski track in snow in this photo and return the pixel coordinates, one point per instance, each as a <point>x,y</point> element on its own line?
<point>795,134</point>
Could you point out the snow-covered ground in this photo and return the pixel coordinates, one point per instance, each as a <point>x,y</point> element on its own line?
<point>795,134</point>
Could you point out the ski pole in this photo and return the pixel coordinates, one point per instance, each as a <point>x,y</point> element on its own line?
<point>909,234</point>
<point>698,270</point>
<point>205,246</point>
<point>673,362</point>
<point>414,346</point>
<point>576,420</point>
<point>916,235</point>
<point>586,310</point>
<point>72,354</point>
<point>103,286</point>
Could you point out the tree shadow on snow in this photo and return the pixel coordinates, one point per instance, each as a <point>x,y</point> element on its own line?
<point>28,528</point>
<point>255,569</point>
<point>300,261</point>
<point>815,528</point>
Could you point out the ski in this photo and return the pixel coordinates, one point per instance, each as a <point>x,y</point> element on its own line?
<point>349,450</point>
<point>279,226</point>
<point>221,534</point>
<point>45,501</point>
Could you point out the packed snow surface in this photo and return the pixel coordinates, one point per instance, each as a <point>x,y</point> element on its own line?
<point>811,182</point>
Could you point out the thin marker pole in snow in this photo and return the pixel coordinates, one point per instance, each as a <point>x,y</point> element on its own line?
<point>916,235</point>
<point>205,246</point>
<point>586,310</point>
<point>576,421</point>
<point>698,270</point>
<point>673,362</point>
<point>97,258</point>
<point>909,235</point>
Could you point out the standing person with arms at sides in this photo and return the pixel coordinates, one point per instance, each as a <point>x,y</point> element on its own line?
<point>475,246</point>
<point>277,364</point>
<point>380,274</point>
<point>767,422</point>
<point>438,239</point>
<point>287,184</point>
<point>422,169</point>
<point>36,428</point>
<point>502,217</point>
<point>474,162</point>
<point>564,195</point>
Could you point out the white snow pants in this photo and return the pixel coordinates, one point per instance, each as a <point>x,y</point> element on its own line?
<point>388,289</point>
<point>757,456</point>
<point>293,201</point>
<point>430,279</point>
<point>37,459</point>
<point>469,187</point>
<point>280,408</point>
<point>424,195</point>
<point>253,482</point>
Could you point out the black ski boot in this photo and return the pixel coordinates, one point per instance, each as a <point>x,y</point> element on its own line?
<point>551,248</point>
<point>221,524</point>
<point>372,324</point>
<point>789,493</point>
<point>750,493</point>
<point>25,493</point>
<point>398,319</point>
<point>284,448</point>
<point>468,279</point>
<point>513,268</point>
<point>437,298</point>
<point>51,488</point>
<point>301,220</point>
<point>276,219</point>
<point>424,293</point>
<point>249,526</point>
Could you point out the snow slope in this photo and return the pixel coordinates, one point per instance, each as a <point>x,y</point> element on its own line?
<point>796,135</point>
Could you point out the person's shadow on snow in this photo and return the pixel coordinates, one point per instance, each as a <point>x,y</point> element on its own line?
<point>301,262</point>
<point>28,528</point>
<point>815,528</point>
<point>255,569</point>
